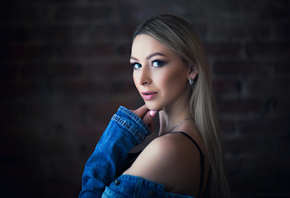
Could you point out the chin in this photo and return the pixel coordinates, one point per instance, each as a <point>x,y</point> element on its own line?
<point>153,106</point>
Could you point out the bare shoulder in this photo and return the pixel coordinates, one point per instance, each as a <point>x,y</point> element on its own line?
<point>172,146</point>
<point>172,160</point>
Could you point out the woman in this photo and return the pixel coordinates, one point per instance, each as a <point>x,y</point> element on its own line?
<point>185,160</point>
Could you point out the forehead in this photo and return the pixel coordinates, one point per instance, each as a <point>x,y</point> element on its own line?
<point>144,45</point>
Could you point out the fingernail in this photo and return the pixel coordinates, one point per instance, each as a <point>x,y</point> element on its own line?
<point>152,113</point>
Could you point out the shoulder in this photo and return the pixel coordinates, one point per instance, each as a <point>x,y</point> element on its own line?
<point>169,159</point>
<point>173,148</point>
<point>160,152</point>
<point>173,145</point>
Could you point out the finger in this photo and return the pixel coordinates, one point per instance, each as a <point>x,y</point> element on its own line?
<point>152,113</point>
<point>141,111</point>
<point>151,126</point>
<point>148,117</point>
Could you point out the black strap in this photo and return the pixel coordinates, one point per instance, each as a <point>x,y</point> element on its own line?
<point>132,157</point>
<point>201,163</point>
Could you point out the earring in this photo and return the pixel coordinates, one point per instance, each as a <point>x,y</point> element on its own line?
<point>191,81</point>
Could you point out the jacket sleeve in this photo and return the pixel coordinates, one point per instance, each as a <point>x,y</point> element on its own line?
<point>124,131</point>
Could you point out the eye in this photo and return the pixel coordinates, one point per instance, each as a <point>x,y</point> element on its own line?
<point>136,65</point>
<point>158,63</point>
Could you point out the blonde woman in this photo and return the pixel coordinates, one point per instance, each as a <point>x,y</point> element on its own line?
<point>185,160</point>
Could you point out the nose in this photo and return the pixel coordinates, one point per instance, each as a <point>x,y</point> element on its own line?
<point>145,76</point>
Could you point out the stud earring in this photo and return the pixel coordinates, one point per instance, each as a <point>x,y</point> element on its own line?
<point>191,81</point>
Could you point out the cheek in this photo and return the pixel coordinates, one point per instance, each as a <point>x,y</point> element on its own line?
<point>173,81</point>
<point>135,79</point>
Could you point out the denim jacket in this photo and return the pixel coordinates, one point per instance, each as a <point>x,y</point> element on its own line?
<point>101,174</point>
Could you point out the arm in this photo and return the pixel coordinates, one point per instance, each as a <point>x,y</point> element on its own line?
<point>125,131</point>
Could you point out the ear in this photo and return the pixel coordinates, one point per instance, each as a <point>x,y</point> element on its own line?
<point>193,71</point>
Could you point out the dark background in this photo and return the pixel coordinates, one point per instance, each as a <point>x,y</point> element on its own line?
<point>65,71</point>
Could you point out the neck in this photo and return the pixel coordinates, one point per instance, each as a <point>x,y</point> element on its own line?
<point>171,116</point>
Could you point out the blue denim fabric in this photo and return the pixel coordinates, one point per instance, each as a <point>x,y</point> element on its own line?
<point>124,132</point>
<point>132,186</point>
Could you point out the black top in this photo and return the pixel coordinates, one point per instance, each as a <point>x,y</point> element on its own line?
<point>132,157</point>
<point>201,163</point>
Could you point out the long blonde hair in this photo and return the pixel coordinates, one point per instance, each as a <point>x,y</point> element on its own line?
<point>179,35</point>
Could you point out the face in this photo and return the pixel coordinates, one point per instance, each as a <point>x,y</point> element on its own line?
<point>160,75</point>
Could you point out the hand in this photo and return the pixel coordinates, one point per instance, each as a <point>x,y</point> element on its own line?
<point>146,115</point>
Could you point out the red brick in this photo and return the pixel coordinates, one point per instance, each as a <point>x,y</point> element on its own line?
<point>240,106</point>
<point>267,86</point>
<point>18,89</point>
<point>260,32</point>
<point>110,32</point>
<point>223,86</point>
<point>278,10</point>
<point>266,126</point>
<point>240,68</point>
<point>65,13</point>
<point>112,68</point>
<point>235,163</point>
<point>45,33</point>
<point>227,126</point>
<point>282,104</point>
<point>282,67</point>
<point>75,87</point>
<point>214,49</point>
<point>282,30</point>
<point>265,49</point>
<point>241,145</point>
<point>22,51</point>
<point>42,52</point>
<point>66,71</point>
<point>9,73</point>
<point>21,12</point>
<point>84,51</point>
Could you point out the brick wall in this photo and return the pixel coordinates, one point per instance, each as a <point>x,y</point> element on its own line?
<point>65,71</point>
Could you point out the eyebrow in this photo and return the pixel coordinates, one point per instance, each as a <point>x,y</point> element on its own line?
<point>150,56</point>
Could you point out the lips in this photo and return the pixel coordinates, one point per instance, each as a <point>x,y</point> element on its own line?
<point>148,95</point>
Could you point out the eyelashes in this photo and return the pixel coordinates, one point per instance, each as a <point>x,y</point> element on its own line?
<point>158,63</point>
<point>155,63</point>
<point>136,65</point>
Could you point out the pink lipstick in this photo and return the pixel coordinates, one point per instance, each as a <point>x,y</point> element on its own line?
<point>148,95</point>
